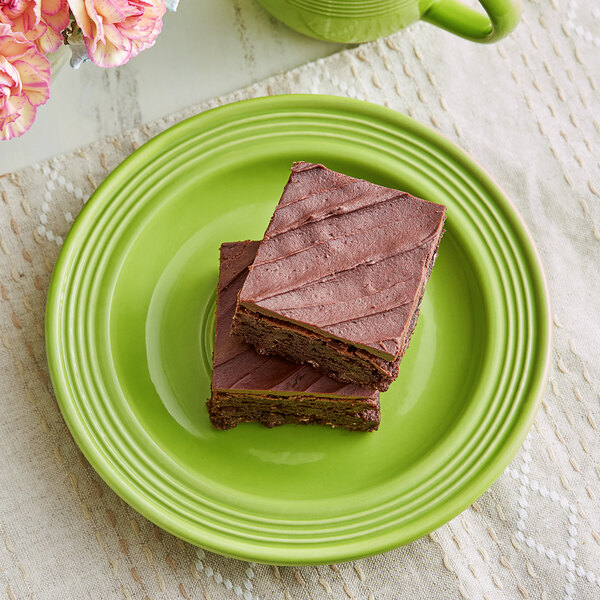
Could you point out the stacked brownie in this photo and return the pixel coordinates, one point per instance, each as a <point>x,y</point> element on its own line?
<point>322,310</point>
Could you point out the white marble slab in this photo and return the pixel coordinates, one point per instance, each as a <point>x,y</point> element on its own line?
<point>207,48</point>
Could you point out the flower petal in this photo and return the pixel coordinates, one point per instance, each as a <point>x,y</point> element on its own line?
<point>81,16</point>
<point>111,11</point>
<point>4,121</point>
<point>35,87</point>
<point>59,20</point>
<point>20,125</point>
<point>13,43</point>
<point>12,106</point>
<point>39,61</point>
<point>5,79</point>
<point>10,74</point>
<point>52,7</point>
<point>31,15</point>
<point>119,29</point>
<point>49,41</point>
<point>37,32</point>
<point>113,52</point>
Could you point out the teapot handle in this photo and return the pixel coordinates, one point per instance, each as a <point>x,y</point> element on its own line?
<point>502,17</point>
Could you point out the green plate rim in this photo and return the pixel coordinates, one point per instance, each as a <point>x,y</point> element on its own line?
<point>473,489</point>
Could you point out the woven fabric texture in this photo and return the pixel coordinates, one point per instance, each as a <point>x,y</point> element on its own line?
<point>527,108</point>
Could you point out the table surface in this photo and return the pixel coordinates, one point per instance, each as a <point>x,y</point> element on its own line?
<point>526,108</point>
<point>206,49</point>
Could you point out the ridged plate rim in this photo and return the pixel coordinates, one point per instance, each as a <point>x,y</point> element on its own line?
<point>210,528</point>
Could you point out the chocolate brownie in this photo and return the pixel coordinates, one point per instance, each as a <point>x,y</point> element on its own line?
<point>247,386</point>
<point>340,274</point>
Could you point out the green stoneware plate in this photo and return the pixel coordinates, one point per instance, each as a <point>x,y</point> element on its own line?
<point>130,321</point>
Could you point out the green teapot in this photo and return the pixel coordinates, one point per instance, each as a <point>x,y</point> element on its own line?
<point>354,21</point>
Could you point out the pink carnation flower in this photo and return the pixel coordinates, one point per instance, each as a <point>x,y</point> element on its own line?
<point>115,31</point>
<point>24,82</point>
<point>40,21</point>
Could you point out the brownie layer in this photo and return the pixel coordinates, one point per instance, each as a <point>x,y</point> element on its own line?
<point>226,410</point>
<point>247,386</point>
<point>345,261</point>
<point>336,359</point>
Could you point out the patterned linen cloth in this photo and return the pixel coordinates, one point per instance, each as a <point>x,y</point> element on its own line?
<point>528,109</point>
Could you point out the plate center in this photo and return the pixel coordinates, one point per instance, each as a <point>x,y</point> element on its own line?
<point>168,341</point>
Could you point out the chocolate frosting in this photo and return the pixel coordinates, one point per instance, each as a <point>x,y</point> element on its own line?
<point>345,257</point>
<point>237,365</point>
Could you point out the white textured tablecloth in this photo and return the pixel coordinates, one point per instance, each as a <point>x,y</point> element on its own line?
<point>528,109</point>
